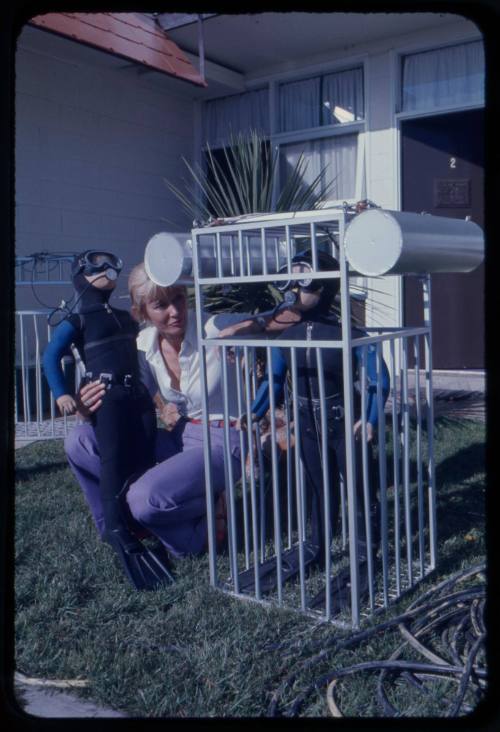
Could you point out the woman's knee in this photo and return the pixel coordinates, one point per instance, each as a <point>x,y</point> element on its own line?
<point>168,487</point>
<point>139,501</point>
<point>80,441</point>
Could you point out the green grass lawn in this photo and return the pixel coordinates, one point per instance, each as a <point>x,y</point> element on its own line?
<point>189,650</point>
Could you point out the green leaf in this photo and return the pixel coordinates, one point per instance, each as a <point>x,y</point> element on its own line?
<point>247,184</point>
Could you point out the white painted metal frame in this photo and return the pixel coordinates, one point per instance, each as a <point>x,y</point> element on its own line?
<point>394,571</point>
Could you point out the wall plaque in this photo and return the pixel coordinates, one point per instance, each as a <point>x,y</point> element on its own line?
<point>452,193</point>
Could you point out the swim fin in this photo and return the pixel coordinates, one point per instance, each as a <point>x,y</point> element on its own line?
<point>147,569</point>
<point>290,567</point>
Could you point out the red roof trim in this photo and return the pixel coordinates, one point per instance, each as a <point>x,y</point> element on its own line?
<point>124,34</point>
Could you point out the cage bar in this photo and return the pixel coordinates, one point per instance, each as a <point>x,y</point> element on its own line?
<point>268,507</point>
<point>366,480</point>
<point>380,560</point>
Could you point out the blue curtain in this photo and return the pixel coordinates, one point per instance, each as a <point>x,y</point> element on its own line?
<point>338,154</point>
<point>299,105</point>
<point>322,100</point>
<point>234,114</point>
<point>342,98</point>
<point>445,77</point>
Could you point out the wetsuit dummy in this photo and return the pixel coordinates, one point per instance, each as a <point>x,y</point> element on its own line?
<point>125,423</point>
<point>318,323</point>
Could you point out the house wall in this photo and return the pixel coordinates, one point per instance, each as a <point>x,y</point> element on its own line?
<point>381,64</point>
<point>383,141</point>
<point>95,137</point>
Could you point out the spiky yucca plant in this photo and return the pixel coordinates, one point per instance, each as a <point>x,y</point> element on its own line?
<point>246,184</point>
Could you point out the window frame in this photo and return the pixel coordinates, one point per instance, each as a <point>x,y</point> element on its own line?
<point>277,138</point>
<point>428,111</point>
<point>274,99</point>
<point>360,172</point>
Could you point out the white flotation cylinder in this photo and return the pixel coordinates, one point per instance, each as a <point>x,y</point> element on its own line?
<point>168,259</point>
<point>379,242</point>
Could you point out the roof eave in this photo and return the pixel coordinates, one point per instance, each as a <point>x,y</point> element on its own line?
<point>126,35</point>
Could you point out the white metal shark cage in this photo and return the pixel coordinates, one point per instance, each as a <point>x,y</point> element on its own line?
<point>267,504</point>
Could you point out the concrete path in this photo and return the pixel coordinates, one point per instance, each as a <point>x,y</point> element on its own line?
<point>41,698</point>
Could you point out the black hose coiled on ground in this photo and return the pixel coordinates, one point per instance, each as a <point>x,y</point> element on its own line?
<point>456,616</point>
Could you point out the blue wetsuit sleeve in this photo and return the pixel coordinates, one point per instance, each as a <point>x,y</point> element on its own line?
<point>371,378</point>
<point>63,336</point>
<point>278,369</point>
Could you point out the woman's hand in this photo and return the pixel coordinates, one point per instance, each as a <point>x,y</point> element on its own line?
<point>169,415</point>
<point>369,430</point>
<point>89,398</point>
<point>167,411</point>
<point>66,404</point>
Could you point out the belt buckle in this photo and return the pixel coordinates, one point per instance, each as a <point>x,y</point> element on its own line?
<point>127,381</point>
<point>87,378</point>
<point>338,411</point>
<point>106,379</point>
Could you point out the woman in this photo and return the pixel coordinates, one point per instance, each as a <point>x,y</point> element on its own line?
<point>168,500</point>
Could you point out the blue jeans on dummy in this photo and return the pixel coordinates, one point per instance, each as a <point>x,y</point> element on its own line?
<point>169,499</point>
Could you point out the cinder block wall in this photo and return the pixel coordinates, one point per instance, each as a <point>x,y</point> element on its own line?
<point>95,137</point>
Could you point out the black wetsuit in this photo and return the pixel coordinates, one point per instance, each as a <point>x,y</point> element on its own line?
<point>316,325</point>
<point>125,424</point>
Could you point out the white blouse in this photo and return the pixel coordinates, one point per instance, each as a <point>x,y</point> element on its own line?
<point>188,399</point>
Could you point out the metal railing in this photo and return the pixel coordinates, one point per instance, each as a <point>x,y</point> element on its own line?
<point>43,268</point>
<point>268,506</point>
<point>35,413</point>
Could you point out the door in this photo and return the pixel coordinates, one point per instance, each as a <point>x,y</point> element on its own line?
<point>442,174</point>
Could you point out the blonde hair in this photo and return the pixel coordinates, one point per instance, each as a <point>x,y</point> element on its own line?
<point>143,290</point>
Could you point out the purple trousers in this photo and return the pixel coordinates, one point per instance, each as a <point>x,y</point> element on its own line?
<point>169,500</point>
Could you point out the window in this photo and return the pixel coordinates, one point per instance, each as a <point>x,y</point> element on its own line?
<point>337,154</point>
<point>443,77</point>
<point>342,97</point>
<point>299,103</point>
<point>319,116</point>
<point>330,99</point>
<point>233,114</point>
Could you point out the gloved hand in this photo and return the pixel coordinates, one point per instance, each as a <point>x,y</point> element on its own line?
<point>242,422</point>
